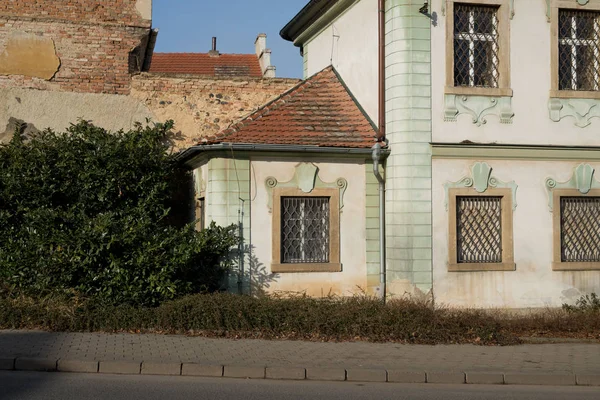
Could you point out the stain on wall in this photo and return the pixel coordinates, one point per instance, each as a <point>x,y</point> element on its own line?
<point>29,55</point>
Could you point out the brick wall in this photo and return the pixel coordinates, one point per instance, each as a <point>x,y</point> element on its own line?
<point>99,43</point>
<point>117,12</point>
<point>203,106</point>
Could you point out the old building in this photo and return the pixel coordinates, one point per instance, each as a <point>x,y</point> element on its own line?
<point>62,60</point>
<point>488,110</point>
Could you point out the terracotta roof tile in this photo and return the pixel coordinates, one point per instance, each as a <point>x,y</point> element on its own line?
<point>205,64</point>
<point>319,111</point>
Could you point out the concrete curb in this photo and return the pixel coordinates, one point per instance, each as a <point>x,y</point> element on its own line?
<point>298,373</point>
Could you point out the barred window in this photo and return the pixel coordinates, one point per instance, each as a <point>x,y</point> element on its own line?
<point>476,46</point>
<point>580,229</point>
<point>578,50</point>
<point>305,230</point>
<point>479,229</point>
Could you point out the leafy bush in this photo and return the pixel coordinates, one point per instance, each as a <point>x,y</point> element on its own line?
<point>586,303</point>
<point>89,212</point>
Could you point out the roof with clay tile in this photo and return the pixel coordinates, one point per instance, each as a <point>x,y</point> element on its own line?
<point>206,64</point>
<point>319,111</point>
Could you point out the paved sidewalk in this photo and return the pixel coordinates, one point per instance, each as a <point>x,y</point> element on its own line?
<point>551,362</point>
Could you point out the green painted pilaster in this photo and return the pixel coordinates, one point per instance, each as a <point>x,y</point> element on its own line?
<point>372,193</point>
<point>228,202</point>
<point>408,168</point>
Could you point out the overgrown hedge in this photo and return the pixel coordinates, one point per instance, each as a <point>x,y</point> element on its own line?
<point>91,213</point>
<point>229,315</point>
<point>299,317</point>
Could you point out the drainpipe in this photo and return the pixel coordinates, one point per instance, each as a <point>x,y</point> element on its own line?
<point>381,133</point>
<point>382,269</point>
<point>377,151</point>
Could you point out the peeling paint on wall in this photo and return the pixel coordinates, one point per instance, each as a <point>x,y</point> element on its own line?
<point>144,8</point>
<point>29,55</point>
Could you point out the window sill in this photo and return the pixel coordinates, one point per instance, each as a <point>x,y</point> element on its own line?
<point>479,91</point>
<point>323,267</point>
<point>481,267</point>
<point>575,266</point>
<point>574,94</point>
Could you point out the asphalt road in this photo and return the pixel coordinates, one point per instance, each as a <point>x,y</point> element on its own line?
<point>62,386</point>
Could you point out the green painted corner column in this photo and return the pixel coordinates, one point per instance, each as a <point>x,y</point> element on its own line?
<point>228,202</point>
<point>408,168</point>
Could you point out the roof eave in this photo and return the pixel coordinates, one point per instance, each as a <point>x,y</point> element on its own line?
<point>309,14</point>
<point>188,156</point>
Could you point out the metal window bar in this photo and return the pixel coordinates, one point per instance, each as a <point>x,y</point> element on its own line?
<point>305,230</point>
<point>580,229</point>
<point>579,50</point>
<point>476,46</point>
<point>479,229</point>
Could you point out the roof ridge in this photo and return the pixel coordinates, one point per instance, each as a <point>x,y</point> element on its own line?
<point>318,111</point>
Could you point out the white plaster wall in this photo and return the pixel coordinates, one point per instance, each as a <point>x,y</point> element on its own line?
<point>350,45</point>
<point>352,230</point>
<point>530,81</point>
<point>58,110</point>
<point>533,284</point>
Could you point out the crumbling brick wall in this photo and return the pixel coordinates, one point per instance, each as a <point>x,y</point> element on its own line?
<point>203,106</point>
<point>99,43</point>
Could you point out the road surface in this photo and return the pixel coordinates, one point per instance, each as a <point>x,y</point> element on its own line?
<point>63,386</point>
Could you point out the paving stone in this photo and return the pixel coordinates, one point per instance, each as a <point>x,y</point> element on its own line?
<point>485,378</point>
<point>446,377</point>
<point>35,364</point>
<point>406,376</point>
<point>588,380</point>
<point>366,375</point>
<point>119,367</point>
<point>539,379</point>
<point>244,372</point>
<point>285,373</point>
<point>201,370</point>
<point>7,364</point>
<point>161,368</point>
<point>77,366</point>
<point>326,374</point>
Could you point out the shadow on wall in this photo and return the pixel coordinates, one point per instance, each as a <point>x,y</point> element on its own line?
<point>248,275</point>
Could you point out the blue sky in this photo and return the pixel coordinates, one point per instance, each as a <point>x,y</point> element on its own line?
<point>189,25</point>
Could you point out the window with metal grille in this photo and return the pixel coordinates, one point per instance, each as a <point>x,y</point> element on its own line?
<point>580,229</point>
<point>579,50</point>
<point>479,229</point>
<point>304,230</point>
<point>476,46</point>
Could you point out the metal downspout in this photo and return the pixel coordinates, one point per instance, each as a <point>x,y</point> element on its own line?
<point>382,268</point>
<point>377,158</point>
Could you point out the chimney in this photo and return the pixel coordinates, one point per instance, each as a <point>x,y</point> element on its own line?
<point>214,52</point>
<point>264,56</point>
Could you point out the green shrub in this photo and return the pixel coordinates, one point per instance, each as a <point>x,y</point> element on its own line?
<point>586,303</point>
<point>88,211</point>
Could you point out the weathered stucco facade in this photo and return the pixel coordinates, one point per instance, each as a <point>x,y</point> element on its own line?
<point>525,138</point>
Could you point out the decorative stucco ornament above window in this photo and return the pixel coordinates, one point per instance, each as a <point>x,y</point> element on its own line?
<point>582,180</point>
<point>511,5</point>
<point>478,107</point>
<point>480,181</point>
<point>549,7</point>
<point>583,110</point>
<point>306,179</point>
